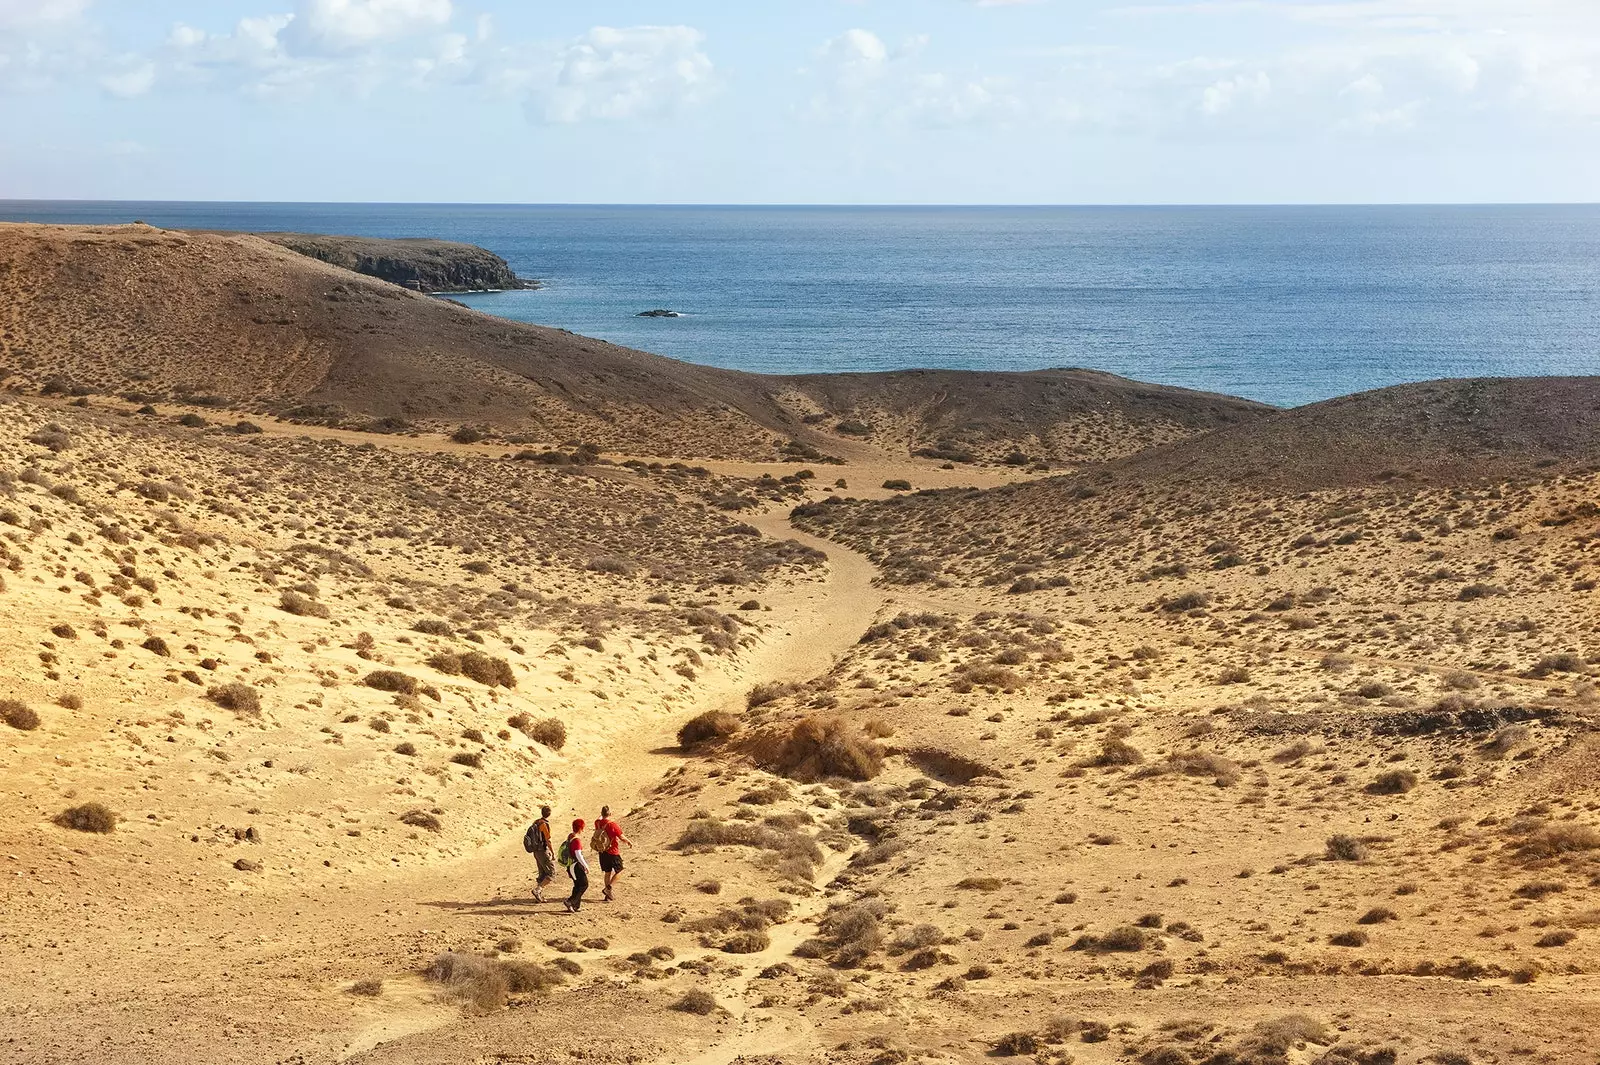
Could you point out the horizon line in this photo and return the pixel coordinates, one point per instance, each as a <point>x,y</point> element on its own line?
<point>906,205</point>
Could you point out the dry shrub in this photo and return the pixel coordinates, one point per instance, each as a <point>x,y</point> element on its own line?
<point>1125,940</point>
<point>446,662</point>
<point>470,759</point>
<point>370,988</point>
<point>770,692</point>
<point>1556,841</point>
<point>708,727</point>
<point>18,715</point>
<point>1224,771</point>
<point>487,670</point>
<point>820,750</point>
<point>980,883</point>
<point>470,978</point>
<point>1394,782</point>
<point>696,1001</point>
<point>241,698</point>
<point>433,627</point>
<point>1273,1039</point>
<point>850,934</point>
<point>301,605</point>
<point>1506,740</point>
<point>90,817</point>
<point>552,732</point>
<point>390,680</point>
<point>749,942</point>
<point>1016,1043</point>
<point>1344,848</point>
<point>421,819</point>
<point>157,646</point>
<point>1114,752</point>
<point>1353,938</point>
<point>709,832</point>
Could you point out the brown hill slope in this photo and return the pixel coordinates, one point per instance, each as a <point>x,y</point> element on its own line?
<point>131,308</point>
<point>1444,431</point>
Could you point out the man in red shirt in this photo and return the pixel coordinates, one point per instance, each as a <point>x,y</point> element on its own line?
<point>608,840</point>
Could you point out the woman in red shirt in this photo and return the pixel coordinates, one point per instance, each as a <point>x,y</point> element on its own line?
<point>577,868</point>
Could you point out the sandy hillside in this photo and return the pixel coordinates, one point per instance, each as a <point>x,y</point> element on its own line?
<point>232,320</point>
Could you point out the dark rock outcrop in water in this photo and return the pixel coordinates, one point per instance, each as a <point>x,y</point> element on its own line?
<point>659,312</point>
<point>420,264</point>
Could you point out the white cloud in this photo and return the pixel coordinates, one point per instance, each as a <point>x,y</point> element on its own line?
<point>40,12</point>
<point>1230,93</point>
<point>618,74</point>
<point>860,79</point>
<point>345,25</point>
<point>134,80</point>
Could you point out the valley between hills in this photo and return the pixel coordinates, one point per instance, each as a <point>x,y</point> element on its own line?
<point>1051,717</point>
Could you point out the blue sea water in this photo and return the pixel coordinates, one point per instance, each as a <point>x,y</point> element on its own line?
<point>1282,304</point>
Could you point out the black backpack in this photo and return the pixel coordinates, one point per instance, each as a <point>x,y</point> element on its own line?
<point>530,838</point>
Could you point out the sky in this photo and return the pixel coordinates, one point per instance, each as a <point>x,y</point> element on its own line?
<point>802,101</point>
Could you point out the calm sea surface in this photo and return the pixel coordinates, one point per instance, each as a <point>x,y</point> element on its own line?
<point>1282,304</point>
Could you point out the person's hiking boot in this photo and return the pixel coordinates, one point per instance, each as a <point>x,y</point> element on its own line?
<point>568,904</point>
<point>538,894</point>
<point>607,895</point>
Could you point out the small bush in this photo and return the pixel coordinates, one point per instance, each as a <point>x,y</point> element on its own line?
<point>1016,1043</point>
<point>1559,840</point>
<point>552,732</point>
<point>748,942</point>
<point>708,727</point>
<point>157,646</point>
<point>897,484</point>
<point>1378,915</point>
<point>302,605</point>
<point>1124,940</point>
<point>1343,848</point>
<point>90,817</point>
<point>1394,782</point>
<point>241,698</point>
<point>371,988</point>
<point>487,670</point>
<point>407,748</point>
<point>18,715</point>
<point>470,759</point>
<point>819,750</point>
<point>389,680</point>
<point>701,1003</point>
<point>421,819</point>
<point>762,694</point>
<point>470,978</point>
<point>433,627</point>
<point>466,434</point>
<point>1352,938</point>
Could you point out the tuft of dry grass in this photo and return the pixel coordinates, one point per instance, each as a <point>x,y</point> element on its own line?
<point>422,819</point>
<point>1556,841</point>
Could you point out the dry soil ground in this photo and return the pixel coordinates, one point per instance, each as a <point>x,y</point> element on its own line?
<point>1175,778</point>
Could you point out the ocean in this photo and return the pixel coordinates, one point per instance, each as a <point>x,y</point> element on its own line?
<point>1287,305</point>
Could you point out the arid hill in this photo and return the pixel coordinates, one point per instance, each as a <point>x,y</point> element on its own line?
<point>1440,431</point>
<point>237,320</point>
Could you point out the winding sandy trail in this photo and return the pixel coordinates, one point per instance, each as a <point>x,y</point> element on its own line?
<point>811,623</point>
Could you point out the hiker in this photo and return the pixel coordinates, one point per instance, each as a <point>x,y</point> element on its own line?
<point>577,867</point>
<point>536,841</point>
<point>607,842</point>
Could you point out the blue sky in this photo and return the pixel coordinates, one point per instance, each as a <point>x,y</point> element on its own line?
<point>772,101</point>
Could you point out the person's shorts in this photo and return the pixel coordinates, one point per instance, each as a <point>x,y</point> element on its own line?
<point>547,868</point>
<point>611,863</point>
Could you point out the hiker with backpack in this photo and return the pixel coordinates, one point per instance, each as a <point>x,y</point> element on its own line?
<point>572,860</point>
<point>607,842</point>
<point>536,841</point>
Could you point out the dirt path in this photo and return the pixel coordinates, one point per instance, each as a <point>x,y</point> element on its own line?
<point>818,622</point>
